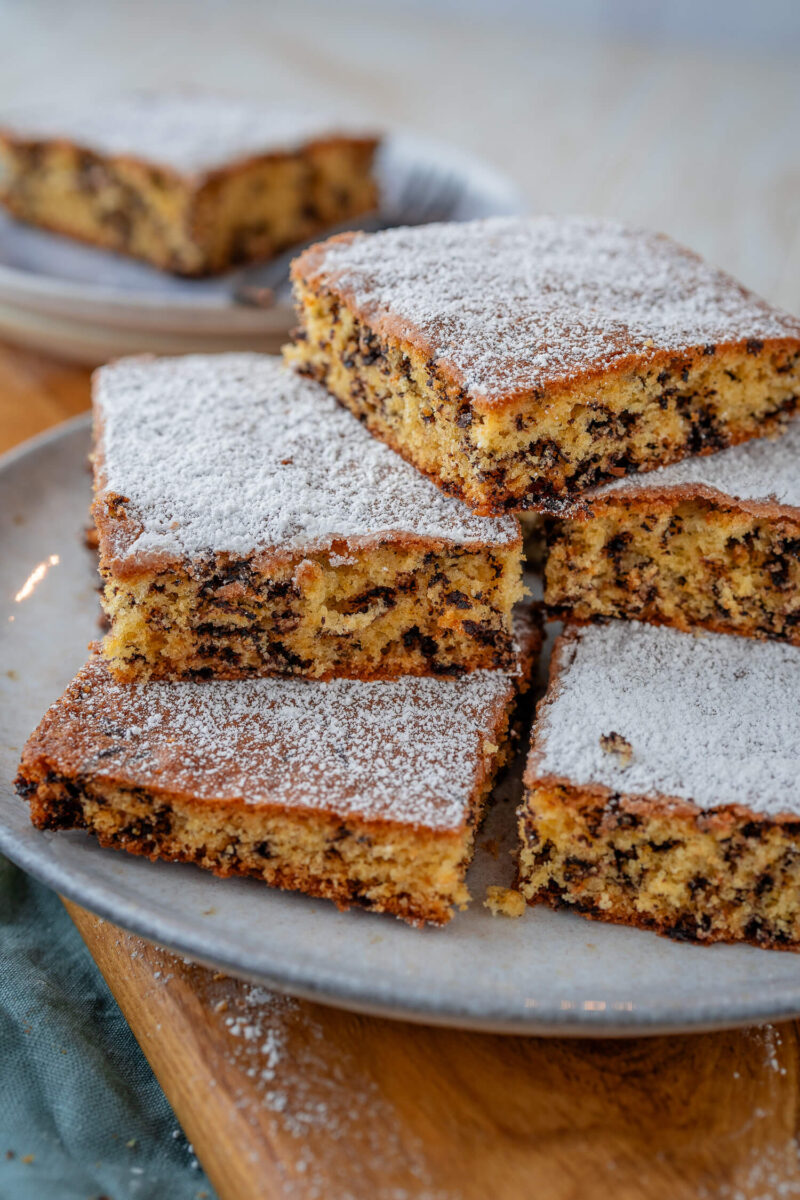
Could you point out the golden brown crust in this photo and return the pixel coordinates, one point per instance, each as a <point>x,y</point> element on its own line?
<point>675,932</point>
<point>716,820</point>
<point>197,180</point>
<point>643,495</point>
<point>309,270</point>
<point>155,801</point>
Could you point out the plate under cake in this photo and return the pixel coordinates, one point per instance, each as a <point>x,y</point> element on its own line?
<point>518,359</point>
<point>189,182</point>
<point>361,792</point>
<point>249,525</point>
<point>663,784</point>
<point>711,542</point>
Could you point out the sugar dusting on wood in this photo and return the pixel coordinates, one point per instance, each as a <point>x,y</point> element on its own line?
<point>320,1096</point>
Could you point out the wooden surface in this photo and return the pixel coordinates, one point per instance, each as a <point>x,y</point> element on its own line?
<point>284,1098</point>
<point>281,1098</point>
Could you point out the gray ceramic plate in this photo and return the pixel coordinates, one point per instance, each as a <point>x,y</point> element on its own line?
<point>546,973</point>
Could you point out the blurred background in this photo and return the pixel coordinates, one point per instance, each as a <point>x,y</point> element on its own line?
<point>681,115</point>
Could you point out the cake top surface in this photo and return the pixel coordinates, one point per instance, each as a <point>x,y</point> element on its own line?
<point>191,132</point>
<point>409,750</point>
<point>509,305</point>
<point>763,471</point>
<point>236,453</point>
<point>710,719</point>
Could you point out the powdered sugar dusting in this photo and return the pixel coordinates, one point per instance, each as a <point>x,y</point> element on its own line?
<point>327,1098</point>
<point>409,750</point>
<point>191,132</point>
<point>710,719</point>
<point>236,453</point>
<point>515,304</point>
<point>766,470</point>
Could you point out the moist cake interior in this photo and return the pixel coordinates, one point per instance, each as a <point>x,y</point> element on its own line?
<point>247,524</point>
<point>662,788</point>
<point>709,542</point>
<point>361,792</point>
<point>516,360</point>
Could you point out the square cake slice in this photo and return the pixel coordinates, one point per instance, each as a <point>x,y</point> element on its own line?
<point>514,360</point>
<point>249,525</point>
<point>361,792</point>
<point>711,542</point>
<point>663,784</point>
<point>191,183</point>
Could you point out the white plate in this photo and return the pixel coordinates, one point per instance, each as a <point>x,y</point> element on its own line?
<point>545,973</point>
<point>90,305</point>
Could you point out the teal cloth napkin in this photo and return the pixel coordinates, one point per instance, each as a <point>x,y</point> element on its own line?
<point>82,1116</point>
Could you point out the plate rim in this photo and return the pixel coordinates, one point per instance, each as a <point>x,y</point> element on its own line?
<point>780,1000</point>
<point>333,991</point>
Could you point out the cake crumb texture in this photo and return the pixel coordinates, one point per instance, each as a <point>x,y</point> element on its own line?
<point>248,525</point>
<point>710,542</point>
<point>686,562</point>
<point>516,361</point>
<point>697,834</point>
<point>190,183</point>
<point>504,902</point>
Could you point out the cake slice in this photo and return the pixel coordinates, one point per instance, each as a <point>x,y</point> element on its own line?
<point>248,525</point>
<point>361,792</point>
<point>711,542</point>
<point>190,183</point>
<point>663,784</point>
<point>515,360</point>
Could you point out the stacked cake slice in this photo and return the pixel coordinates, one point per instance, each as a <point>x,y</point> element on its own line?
<point>248,525</point>
<point>311,670</point>
<point>517,360</point>
<point>250,530</point>
<point>612,379</point>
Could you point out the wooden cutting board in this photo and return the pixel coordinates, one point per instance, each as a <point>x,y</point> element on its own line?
<point>282,1098</point>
